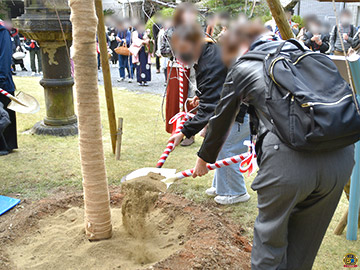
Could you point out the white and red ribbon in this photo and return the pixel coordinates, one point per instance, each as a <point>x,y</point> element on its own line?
<point>170,146</point>
<point>247,163</point>
<point>181,85</point>
<point>5,93</point>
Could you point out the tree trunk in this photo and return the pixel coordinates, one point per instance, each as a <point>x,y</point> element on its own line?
<point>282,23</point>
<point>96,194</point>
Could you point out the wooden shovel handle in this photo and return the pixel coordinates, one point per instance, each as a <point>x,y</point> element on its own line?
<point>15,99</point>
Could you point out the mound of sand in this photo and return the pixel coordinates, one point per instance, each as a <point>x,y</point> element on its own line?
<point>60,243</point>
<point>141,236</point>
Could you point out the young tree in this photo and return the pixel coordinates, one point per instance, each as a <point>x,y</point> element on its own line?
<point>96,194</point>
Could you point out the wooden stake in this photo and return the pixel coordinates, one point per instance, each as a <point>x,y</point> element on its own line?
<point>279,15</point>
<point>342,224</point>
<point>106,72</point>
<point>119,138</point>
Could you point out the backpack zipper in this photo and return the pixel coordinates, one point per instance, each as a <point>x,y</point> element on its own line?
<point>310,104</point>
<point>272,65</point>
<point>271,73</point>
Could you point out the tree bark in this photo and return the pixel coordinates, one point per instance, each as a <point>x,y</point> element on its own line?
<point>96,194</point>
<point>282,23</point>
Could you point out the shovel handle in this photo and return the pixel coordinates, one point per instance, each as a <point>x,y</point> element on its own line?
<point>10,96</point>
<point>246,161</point>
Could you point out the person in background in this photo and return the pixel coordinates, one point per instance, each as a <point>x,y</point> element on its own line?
<point>314,39</point>
<point>16,46</point>
<point>142,60</point>
<point>356,42</point>
<point>165,60</point>
<point>185,13</point>
<point>221,26</point>
<point>124,39</point>
<point>8,136</point>
<point>113,43</point>
<point>210,25</point>
<point>34,49</point>
<point>294,26</point>
<point>190,47</point>
<point>347,31</point>
<point>155,31</point>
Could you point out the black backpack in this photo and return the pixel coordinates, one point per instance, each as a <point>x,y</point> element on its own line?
<point>311,107</point>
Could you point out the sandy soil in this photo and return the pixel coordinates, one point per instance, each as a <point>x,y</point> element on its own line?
<point>49,234</point>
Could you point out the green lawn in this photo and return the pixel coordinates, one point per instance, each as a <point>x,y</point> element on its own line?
<point>45,165</point>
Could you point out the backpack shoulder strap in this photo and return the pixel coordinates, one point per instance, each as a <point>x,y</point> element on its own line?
<point>254,55</point>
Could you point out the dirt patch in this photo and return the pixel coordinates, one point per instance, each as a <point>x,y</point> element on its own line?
<point>59,243</point>
<point>188,235</point>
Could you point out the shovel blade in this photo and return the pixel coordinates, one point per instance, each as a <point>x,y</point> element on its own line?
<point>31,104</point>
<point>167,173</point>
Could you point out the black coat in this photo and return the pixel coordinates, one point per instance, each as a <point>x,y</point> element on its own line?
<point>6,81</point>
<point>9,140</point>
<point>245,84</point>
<point>155,30</point>
<point>210,76</point>
<point>312,44</point>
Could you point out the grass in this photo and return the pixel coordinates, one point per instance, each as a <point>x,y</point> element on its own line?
<point>44,165</point>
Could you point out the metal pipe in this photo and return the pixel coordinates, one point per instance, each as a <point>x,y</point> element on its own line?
<point>354,200</point>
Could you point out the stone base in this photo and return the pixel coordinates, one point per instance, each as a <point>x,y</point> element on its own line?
<point>41,129</point>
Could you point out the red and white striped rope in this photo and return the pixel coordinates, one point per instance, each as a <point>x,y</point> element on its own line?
<point>5,93</point>
<point>170,146</point>
<point>181,85</point>
<point>247,163</point>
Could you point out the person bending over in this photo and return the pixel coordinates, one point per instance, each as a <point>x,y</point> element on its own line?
<point>189,46</point>
<point>298,192</point>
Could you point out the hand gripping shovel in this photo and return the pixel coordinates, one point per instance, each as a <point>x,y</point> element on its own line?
<point>22,103</point>
<point>247,164</point>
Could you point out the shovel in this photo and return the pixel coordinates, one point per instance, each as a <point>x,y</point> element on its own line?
<point>247,164</point>
<point>22,103</point>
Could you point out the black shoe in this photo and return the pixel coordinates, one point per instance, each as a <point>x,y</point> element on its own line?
<point>24,69</point>
<point>13,73</point>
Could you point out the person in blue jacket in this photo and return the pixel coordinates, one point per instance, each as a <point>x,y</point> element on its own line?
<point>9,141</point>
<point>125,62</point>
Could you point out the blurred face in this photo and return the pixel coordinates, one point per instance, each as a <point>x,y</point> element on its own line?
<point>140,28</point>
<point>228,56</point>
<point>189,17</point>
<point>288,15</point>
<point>120,26</point>
<point>345,19</point>
<point>187,52</point>
<point>314,28</point>
<point>167,24</point>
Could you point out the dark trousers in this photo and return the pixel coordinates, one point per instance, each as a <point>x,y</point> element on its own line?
<point>36,53</point>
<point>157,63</point>
<point>18,62</point>
<point>298,193</point>
<point>9,135</point>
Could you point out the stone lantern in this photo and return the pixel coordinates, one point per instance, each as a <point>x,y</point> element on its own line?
<point>48,22</point>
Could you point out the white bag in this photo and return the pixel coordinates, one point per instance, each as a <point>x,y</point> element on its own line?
<point>19,55</point>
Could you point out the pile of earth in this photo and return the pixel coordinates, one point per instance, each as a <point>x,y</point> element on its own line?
<point>152,229</point>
